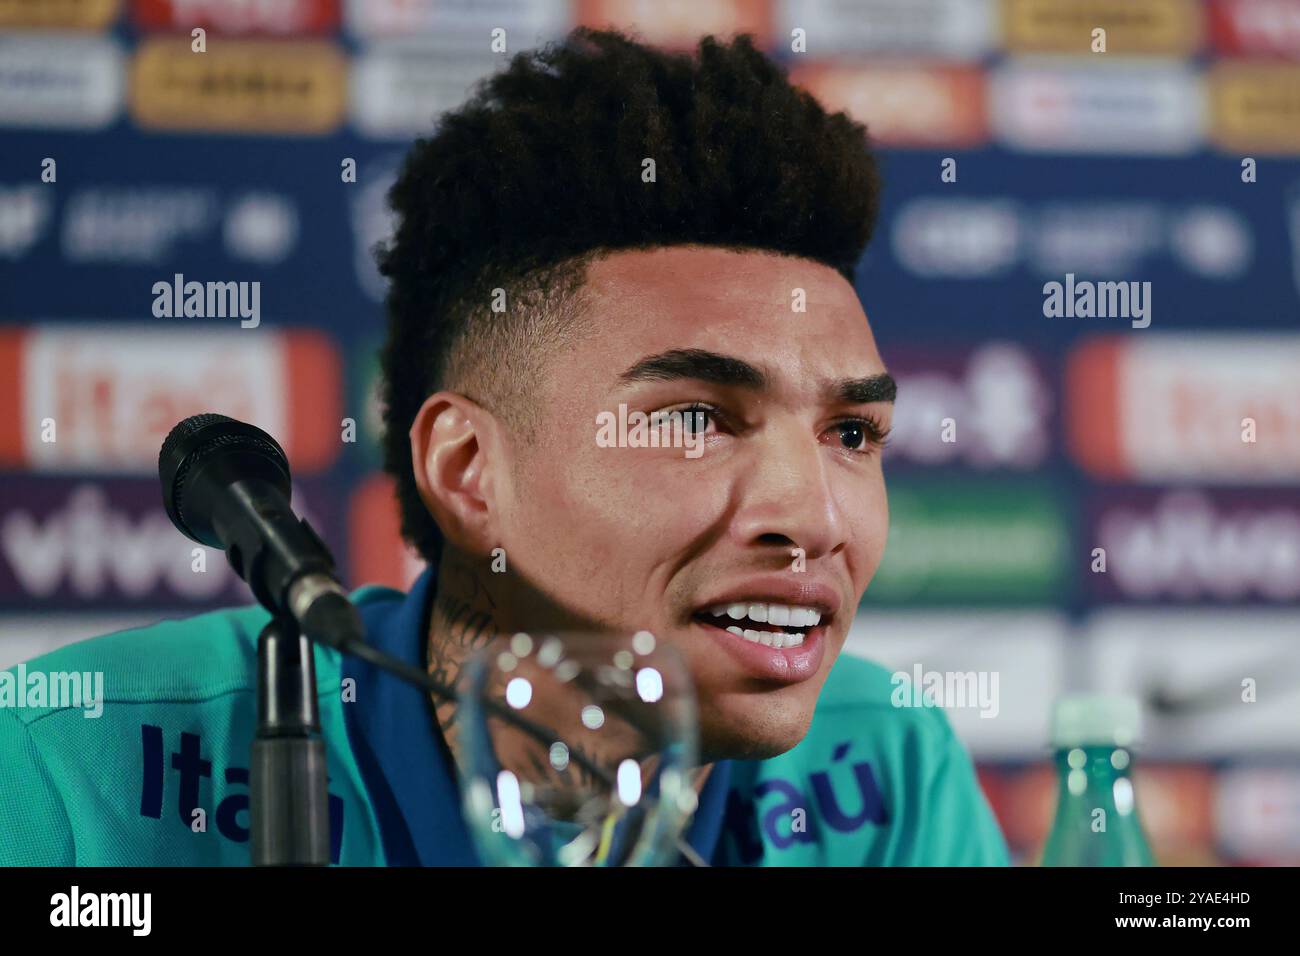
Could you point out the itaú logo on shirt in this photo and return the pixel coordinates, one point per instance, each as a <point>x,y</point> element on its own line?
<point>755,822</point>
<point>191,768</point>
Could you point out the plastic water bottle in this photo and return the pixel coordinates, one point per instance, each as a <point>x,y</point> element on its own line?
<point>1097,821</point>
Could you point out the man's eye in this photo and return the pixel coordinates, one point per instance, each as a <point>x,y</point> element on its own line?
<point>695,419</point>
<point>860,435</point>
<point>852,434</point>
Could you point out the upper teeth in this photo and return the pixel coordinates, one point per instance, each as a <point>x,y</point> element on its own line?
<point>782,615</point>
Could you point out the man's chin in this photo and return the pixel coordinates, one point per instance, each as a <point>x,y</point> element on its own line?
<point>751,736</point>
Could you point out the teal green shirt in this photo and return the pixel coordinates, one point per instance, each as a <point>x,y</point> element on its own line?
<point>160,777</point>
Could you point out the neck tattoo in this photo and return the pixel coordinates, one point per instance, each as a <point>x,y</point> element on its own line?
<point>463,619</point>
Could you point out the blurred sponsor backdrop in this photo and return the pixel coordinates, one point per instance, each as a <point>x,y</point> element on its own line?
<point>1170,159</point>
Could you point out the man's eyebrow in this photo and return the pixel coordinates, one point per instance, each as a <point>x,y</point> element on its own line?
<point>863,391</point>
<point>699,364</point>
<point>720,369</point>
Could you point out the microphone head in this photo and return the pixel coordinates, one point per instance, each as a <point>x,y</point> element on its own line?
<point>200,442</point>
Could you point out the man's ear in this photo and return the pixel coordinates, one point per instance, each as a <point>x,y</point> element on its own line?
<point>452,441</point>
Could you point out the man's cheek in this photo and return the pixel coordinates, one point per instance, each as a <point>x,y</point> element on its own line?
<point>868,540</point>
<point>873,554</point>
<point>657,508</point>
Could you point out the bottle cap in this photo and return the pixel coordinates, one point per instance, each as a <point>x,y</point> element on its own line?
<point>1090,719</point>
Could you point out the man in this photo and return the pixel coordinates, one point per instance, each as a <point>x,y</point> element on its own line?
<point>604,229</point>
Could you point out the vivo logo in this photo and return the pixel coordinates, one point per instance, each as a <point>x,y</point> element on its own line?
<point>1187,546</point>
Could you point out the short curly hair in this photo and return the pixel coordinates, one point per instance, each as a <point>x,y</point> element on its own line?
<point>541,171</point>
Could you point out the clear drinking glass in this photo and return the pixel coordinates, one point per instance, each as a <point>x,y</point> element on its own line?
<point>577,750</point>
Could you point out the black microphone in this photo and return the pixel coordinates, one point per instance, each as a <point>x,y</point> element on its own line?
<point>226,485</point>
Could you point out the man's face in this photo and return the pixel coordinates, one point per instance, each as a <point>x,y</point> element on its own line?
<point>783,513</point>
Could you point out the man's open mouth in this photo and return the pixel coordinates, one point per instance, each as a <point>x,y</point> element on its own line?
<point>770,624</point>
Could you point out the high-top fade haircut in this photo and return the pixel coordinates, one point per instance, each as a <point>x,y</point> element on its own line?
<point>543,170</point>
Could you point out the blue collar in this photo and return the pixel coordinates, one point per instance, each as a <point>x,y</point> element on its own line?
<point>408,770</point>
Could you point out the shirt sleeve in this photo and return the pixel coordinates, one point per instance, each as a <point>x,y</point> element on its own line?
<point>957,825</point>
<point>34,826</point>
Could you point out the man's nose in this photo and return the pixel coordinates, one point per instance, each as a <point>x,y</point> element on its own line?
<point>789,498</point>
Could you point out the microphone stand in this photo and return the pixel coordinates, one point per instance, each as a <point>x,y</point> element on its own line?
<point>288,797</point>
